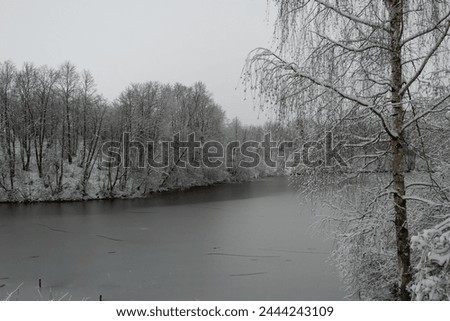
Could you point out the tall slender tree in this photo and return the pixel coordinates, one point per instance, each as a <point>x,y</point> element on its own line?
<point>7,75</point>
<point>68,82</point>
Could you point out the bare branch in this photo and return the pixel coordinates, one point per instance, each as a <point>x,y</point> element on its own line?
<point>354,18</point>
<point>426,31</point>
<point>425,113</point>
<point>426,60</point>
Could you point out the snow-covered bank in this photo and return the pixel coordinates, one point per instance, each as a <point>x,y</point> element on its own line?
<point>30,188</point>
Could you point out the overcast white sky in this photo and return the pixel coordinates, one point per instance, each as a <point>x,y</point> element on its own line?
<point>140,40</point>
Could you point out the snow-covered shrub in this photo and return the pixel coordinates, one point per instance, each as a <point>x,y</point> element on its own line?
<point>357,214</point>
<point>432,277</point>
<point>359,217</point>
<point>365,250</point>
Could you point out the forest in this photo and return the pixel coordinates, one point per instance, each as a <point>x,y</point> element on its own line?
<point>54,122</point>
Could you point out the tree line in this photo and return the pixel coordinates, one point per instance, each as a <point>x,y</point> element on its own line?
<point>54,121</point>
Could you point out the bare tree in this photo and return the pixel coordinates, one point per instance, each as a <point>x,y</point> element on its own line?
<point>7,74</point>
<point>88,92</point>
<point>46,79</point>
<point>26,85</point>
<point>68,83</point>
<point>91,146</point>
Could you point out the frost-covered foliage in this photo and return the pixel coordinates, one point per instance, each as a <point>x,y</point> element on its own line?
<point>357,214</point>
<point>358,218</point>
<point>432,279</point>
<point>54,124</point>
<point>375,73</point>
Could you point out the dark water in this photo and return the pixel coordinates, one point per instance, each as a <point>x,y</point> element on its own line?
<point>245,241</point>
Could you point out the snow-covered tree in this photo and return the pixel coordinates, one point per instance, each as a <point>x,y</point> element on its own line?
<point>372,62</point>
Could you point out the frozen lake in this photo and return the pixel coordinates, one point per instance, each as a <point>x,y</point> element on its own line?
<point>246,241</point>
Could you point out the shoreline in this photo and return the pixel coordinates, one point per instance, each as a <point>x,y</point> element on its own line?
<point>131,197</point>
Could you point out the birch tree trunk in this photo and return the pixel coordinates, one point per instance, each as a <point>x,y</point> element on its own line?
<point>398,156</point>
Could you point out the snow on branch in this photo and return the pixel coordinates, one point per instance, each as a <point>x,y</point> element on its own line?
<point>273,63</point>
<point>352,49</point>
<point>352,17</point>
<point>426,59</point>
<point>428,111</point>
<point>432,279</point>
<point>426,31</point>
